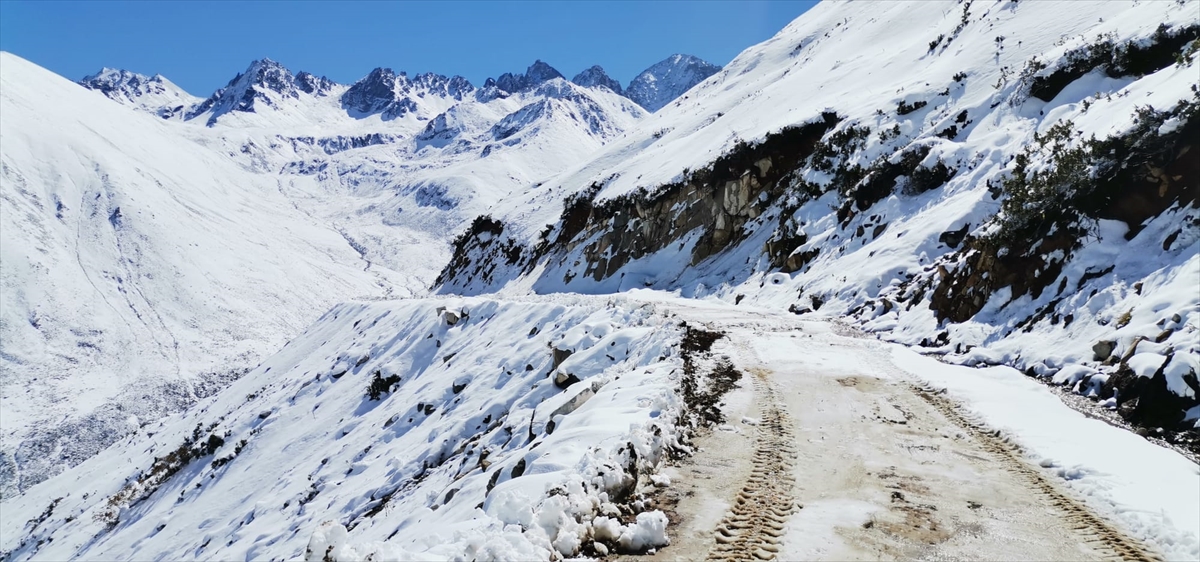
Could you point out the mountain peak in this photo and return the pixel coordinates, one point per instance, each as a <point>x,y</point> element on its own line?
<point>537,73</point>
<point>596,77</point>
<point>155,93</point>
<point>382,91</point>
<point>261,78</point>
<point>668,79</point>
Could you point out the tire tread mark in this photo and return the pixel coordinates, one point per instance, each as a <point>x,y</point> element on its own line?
<point>1095,530</point>
<point>753,527</point>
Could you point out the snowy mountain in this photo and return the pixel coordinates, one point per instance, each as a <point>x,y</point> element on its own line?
<point>595,76</point>
<point>386,93</point>
<point>154,94</point>
<point>138,268</point>
<point>660,84</point>
<point>377,188</point>
<point>1003,195</point>
<point>265,84</point>
<point>990,187</point>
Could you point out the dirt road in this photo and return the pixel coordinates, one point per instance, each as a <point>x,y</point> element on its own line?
<point>832,453</point>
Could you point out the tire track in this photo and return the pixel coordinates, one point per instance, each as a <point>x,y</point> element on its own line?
<point>1096,532</point>
<point>754,525</point>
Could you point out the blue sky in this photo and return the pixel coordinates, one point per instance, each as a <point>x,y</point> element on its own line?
<point>201,45</point>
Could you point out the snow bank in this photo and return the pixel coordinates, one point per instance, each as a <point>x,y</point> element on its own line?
<point>1150,490</point>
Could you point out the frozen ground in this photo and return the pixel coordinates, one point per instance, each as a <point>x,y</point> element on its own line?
<point>897,456</point>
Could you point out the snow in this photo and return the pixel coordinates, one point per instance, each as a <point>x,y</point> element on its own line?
<point>149,261</point>
<point>1150,490</point>
<point>309,453</point>
<point>148,258</point>
<point>138,268</point>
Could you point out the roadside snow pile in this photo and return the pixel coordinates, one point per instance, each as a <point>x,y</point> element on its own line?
<point>400,430</point>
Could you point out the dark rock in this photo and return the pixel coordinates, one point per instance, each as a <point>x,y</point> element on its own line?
<point>1103,349</point>
<point>564,380</point>
<point>953,238</point>
<point>595,77</point>
<point>558,356</point>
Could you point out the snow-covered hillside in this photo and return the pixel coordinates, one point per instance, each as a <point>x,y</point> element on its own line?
<point>148,261</point>
<point>141,271</point>
<point>998,182</point>
<point>513,421</point>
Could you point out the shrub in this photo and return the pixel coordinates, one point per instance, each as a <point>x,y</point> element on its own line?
<point>381,385</point>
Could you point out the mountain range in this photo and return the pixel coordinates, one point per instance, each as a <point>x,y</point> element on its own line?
<point>266,84</point>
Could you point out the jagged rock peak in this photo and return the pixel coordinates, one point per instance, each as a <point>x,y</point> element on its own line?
<point>383,91</point>
<point>248,89</point>
<point>153,94</point>
<point>536,74</point>
<point>596,77</point>
<point>454,86</point>
<point>374,92</point>
<point>668,79</point>
<point>312,84</point>
<point>110,79</point>
<point>267,74</point>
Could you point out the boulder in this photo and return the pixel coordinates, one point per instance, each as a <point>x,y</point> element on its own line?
<point>1103,350</point>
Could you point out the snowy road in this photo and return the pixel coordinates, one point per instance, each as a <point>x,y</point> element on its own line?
<point>831,451</point>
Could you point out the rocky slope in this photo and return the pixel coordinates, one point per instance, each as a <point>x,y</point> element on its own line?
<point>993,187</point>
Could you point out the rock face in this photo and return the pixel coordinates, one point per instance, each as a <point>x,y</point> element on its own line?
<point>314,85</point>
<point>536,74</point>
<point>595,77</point>
<point>660,84</point>
<point>385,92</point>
<point>721,200</point>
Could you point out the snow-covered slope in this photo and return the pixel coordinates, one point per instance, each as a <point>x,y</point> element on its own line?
<point>392,419</point>
<point>999,182</point>
<point>336,191</point>
<point>668,79</point>
<point>140,270</point>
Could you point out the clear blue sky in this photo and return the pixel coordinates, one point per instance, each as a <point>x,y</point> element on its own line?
<point>201,45</point>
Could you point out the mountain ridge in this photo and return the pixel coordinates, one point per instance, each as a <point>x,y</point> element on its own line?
<point>264,80</point>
